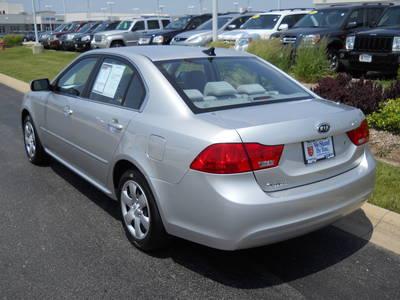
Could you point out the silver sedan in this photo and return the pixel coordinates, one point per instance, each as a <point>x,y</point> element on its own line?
<point>214,146</point>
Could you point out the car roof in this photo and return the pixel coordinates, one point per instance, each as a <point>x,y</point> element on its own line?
<point>168,52</point>
<point>286,12</point>
<point>354,5</point>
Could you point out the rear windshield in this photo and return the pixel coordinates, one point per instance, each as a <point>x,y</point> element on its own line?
<point>228,82</point>
<point>208,25</point>
<point>261,22</point>
<point>332,18</point>
<point>391,18</point>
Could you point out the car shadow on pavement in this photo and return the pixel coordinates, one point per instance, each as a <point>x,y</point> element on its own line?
<point>245,269</point>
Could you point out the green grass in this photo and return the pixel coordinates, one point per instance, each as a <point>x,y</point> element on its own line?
<point>20,63</point>
<point>387,191</point>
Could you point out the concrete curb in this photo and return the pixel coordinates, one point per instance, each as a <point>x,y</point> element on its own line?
<point>377,225</point>
<point>15,84</point>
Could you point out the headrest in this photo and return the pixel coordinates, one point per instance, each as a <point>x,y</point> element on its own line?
<point>251,89</point>
<point>219,89</point>
<point>194,95</point>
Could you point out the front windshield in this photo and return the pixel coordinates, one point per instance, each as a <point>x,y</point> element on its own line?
<point>332,18</point>
<point>85,28</point>
<point>124,25</point>
<point>101,27</point>
<point>219,83</point>
<point>60,28</point>
<point>391,18</point>
<point>208,25</point>
<point>179,23</point>
<point>261,22</point>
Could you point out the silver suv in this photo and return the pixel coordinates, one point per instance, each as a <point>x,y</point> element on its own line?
<point>128,32</point>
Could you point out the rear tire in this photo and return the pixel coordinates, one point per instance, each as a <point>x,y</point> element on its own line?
<point>33,147</point>
<point>140,216</point>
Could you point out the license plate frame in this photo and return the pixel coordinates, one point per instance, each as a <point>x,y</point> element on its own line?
<point>365,58</point>
<point>314,151</point>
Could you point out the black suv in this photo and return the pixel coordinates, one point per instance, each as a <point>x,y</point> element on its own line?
<point>334,23</point>
<point>181,24</point>
<point>377,49</point>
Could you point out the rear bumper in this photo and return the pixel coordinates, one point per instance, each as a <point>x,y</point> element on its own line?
<point>381,62</point>
<point>232,212</point>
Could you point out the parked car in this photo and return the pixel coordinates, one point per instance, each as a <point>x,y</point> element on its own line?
<point>128,32</point>
<point>181,24</point>
<point>56,39</point>
<point>82,41</point>
<point>211,145</point>
<point>262,26</point>
<point>377,49</point>
<point>203,34</point>
<point>333,23</point>
<point>67,40</point>
<point>45,36</point>
<point>29,36</point>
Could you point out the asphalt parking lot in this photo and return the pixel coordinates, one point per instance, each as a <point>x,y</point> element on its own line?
<point>61,238</point>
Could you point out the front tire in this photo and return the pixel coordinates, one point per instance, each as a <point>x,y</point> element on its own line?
<point>33,147</point>
<point>117,44</point>
<point>140,216</point>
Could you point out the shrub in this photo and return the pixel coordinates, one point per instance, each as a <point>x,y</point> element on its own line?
<point>392,90</point>
<point>363,94</point>
<point>12,40</point>
<point>311,62</point>
<point>274,52</point>
<point>219,44</point>
<point>387,117</point>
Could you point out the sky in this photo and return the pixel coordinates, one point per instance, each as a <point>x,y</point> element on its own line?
<point>171,6</point>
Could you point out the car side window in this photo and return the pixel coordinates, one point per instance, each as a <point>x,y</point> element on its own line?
<point>357,16</point>
<point>165,23</point>
<point>373,15</point>
<point>112,82</point>
<point>136,93</point>
<point>139,25</point>
<point>153,24</point>
<point>75,79</point>
<point>290,20</point>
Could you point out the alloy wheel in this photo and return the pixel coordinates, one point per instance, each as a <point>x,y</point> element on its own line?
<point>135,209</point>
<point>30,140</point>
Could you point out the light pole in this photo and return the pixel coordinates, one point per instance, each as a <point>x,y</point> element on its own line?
<point>104,9</point>
<point>110,4</point>
<point>215,20</point>
<point>161,8</point>
<point>279,4</point>
<point>48,7</point>
<point>34,22</point>
<point>201,9</point>
<point>65,11</point>
<point>236,5</point>
<point>136,10</point>
<point>190,8</point>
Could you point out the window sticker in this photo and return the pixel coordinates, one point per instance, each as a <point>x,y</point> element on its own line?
<point>108,80</point>
<point>313,12</point>
<point>255,17</point>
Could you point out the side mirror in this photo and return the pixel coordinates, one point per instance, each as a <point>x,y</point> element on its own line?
<point>352,25</point>
<point>283,27</point>
<point>231,27</point>
<point>40,85</point>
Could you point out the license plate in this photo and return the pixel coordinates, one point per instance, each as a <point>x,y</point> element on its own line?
<point>366,58</point>
<point>318,150</point>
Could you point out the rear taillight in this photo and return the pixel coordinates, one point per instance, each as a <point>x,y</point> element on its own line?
<point>237,158</point>
<point>360,135</point>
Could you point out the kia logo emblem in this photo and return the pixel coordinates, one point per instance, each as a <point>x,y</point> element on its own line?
<point>323,127</point>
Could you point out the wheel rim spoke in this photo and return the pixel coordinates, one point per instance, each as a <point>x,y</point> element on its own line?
<point>126,199</point>
<point>130,216</point>
<point>145,222</point>
<point>138,230</point>
<point>142,201</point>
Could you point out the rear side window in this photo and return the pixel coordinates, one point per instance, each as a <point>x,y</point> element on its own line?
<point>138,26</point>
<point>112,82</point>
<point>153,24</point>
<point>136,93</point>
<point>220,83</point>
<point>74,80</point>
<point>165,23</point>
<point>373,15</point>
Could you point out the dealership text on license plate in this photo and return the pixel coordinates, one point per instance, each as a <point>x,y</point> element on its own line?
<point>318,150</point>
<point>365,58</point>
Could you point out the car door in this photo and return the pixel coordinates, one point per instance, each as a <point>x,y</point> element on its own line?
<point>137,30</point>
<point>101,119</point>
<point>70,85</point>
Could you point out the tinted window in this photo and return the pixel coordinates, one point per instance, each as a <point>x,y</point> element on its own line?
<point>239,21</point>
<point>225,82</point>
<point>261,22</point>
<point>221,22</point>
<point>153,24</point>
<point>333,18</point>
<point>138,26</point>
<point>74,80</point>
<point>178,23</point>
<point>373,15</point>
<point>112,82</point>
<point>165,23</point>
<point>390,18</point>
<point>357,16</point>
<point>291,20</point>
<point>136,93</point>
